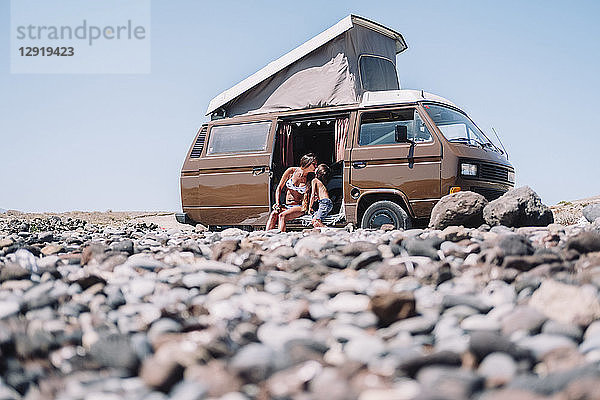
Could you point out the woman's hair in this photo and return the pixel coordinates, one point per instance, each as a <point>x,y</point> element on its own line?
<point>307,159</point>
<point>323,173</point>
<point>306,197</point>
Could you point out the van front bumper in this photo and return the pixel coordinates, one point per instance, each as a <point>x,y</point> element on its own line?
<point>489,190</point>
<point>183,218</point>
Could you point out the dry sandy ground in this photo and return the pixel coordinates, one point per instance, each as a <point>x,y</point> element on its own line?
<point>565,212</point>
<point>165,220</point>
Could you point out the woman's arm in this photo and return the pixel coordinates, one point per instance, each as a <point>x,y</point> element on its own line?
<point>282,181</point>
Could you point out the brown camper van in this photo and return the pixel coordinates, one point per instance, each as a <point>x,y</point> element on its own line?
<point>393,153</point>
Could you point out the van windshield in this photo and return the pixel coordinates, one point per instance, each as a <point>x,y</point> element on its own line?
<point>457,127</point>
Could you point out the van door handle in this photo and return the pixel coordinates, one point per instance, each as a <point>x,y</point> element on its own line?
<point>359,164</point>
<point>258,170</point>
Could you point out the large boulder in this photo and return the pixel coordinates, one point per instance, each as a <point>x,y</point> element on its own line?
<point>461,208</point>
<point>591,212</point>
<point>516,208</point>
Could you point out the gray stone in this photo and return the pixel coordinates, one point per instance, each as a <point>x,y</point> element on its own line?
<point>591,212</point>
<point>451,300</point>
<point>567,304</point>
<point>498,368</point>
<point>331,384</point>
<point>44,237</point>
<point>415,326</point>
<point>462,208</point>
<point>349,302</point>
<point>36,343</point>
<point>499,293</point>
<point>592,330</point>
<point>585,242</point>
<point>188,390</point>
<point>123,245</point>
<point>115,351</point>
<point>420,247</point>
<point>518,207</point>
<point>284,252</point>
<point>556,328</point>
<point>523,318</point>
<point>554,382</point>
<point>460,311</point>
<point>140,288</point>
<point>356,248</point>
<point>310,245</point>
<point>590,343</point>
<point>542,344</point>
<point>278,336</point>
<point>364,259</point>
<point>454,383</point>
<point>143,261</point>
<point>216,267</point>
<point>480,323</point>
<point>412,365</point>
<point>13,271</point>
<point>483,343</point>
<point>364,348</point>
<point>39,296</point>
<point>526,263</point>
<point>514,245</point>
<point>162,326</point>
<point>253,362</point>
<point>26,260</point>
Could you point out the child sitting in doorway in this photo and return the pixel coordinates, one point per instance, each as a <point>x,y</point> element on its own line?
<point>319,192</point>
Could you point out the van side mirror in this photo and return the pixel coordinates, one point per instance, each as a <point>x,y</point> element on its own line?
<point>401,135</point>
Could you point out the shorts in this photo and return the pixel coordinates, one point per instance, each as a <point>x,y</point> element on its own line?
<point>325,206</point>
<point>288,206</point>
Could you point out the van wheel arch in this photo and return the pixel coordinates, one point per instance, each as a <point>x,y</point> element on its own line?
<point>387,204</point>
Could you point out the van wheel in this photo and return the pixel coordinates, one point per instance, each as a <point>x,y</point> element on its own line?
<point>385,212</point>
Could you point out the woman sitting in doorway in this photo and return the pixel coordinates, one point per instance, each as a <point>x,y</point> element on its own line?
<point>295,181</point>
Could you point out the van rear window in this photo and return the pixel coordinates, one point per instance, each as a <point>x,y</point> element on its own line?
<point>238,138</point>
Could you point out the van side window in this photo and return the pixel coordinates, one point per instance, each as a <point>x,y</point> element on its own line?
<point>380,127</point>
<point>377,73</point>
<point>238,138</point>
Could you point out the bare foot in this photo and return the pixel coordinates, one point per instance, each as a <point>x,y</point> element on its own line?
<point>317,223</point>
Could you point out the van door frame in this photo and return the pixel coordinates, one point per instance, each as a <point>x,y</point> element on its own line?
<point>316,115</point>
<point>416,207</point>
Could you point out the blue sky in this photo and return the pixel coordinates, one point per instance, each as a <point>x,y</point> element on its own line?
<point>110,141</point>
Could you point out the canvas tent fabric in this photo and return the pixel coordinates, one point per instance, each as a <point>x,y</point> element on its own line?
<point>327,75</point>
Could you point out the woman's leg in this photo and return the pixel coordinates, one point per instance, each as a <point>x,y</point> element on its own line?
<point>272,222</point>
<point>289,214</point>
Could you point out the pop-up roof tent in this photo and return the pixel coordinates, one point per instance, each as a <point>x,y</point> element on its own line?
<point>334,68</point>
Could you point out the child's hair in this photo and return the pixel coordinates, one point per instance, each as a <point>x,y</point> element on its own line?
<point>323,173</point>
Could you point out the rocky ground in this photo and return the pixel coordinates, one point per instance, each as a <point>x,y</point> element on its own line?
<point>99,309</point>
<point>571,212</point>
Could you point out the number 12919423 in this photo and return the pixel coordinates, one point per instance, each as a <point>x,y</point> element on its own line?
<point>47,51</point>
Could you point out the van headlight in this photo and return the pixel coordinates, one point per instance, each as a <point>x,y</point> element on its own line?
<point>468,169</point>
<point>511,177</point>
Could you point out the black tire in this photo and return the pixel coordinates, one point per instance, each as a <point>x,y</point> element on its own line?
<point>385,212</point>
